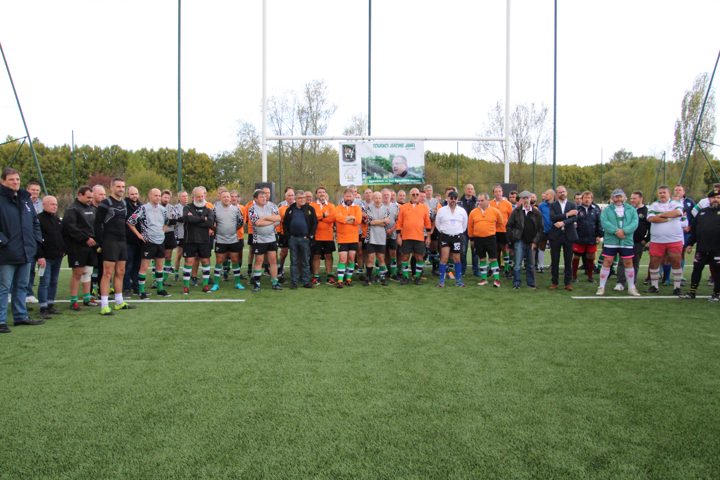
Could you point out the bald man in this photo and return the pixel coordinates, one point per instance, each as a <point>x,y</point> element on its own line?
<point>153,220</point>
<point>52,249</point>
<point>548,197</point>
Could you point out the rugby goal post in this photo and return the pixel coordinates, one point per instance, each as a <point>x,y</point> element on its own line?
<point>266,137</point>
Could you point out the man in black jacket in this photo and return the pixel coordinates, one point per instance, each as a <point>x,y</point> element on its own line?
<point>589,233</point>
<point>299,226</point>
<point>705,231</point>
<point>524,231</point>
<point>199,218</point>
<point>80,245</point>
<point>563,214</point>
<point>52,249</point>
<point>134,246</point>
<point>641,237</point>
<point>19,236</point>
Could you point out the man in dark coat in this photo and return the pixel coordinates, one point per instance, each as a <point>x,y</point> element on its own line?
<point>562,236</point>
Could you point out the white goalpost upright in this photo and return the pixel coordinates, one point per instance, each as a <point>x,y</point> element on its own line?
<point>266,137</point>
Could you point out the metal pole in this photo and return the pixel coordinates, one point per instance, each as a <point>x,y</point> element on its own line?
<point>17,151</point>
<point>555,108</point>
<point>507,96</point>
<point>697,125</point>
<point>280,162</point>
<point>72,150</point>
<point>369,64</point>
<point>264,93</point>
<point>179,146</point>
<point>601,201</point>
<point>37,164</point>
<point>717,179</point>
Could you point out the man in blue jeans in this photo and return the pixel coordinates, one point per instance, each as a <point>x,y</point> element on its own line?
<point>19,237</point>
<point>525,230</point>
<point>299,225</point>
<point>468,202</point>
<point>52,249</point>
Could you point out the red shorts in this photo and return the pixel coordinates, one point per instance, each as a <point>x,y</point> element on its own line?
<point>659,249</point>
<point>581,248</point>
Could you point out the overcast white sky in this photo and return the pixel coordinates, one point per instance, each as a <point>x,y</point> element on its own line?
<point>107,69</point>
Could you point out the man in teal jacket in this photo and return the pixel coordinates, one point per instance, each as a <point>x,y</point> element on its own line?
<point>619,220</point>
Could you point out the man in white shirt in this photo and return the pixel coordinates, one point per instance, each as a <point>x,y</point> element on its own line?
<point>451,222</point>
<point>667,236</point>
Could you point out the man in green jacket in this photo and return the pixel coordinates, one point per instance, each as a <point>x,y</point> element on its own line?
<point>619,221</point>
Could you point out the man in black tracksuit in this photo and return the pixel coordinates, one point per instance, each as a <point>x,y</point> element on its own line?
<point>79,236</point>
<point>589,232</point>
<point>705,231</point>
<point>134,245</point>
<point>52,249</point>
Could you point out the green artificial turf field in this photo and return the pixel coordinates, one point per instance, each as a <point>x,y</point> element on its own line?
<point>378,382</point>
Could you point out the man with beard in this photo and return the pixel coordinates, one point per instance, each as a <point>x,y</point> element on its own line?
<point>134,246</point>
<point>619,222</point>
<point>199,218</point>
<point>563,214</point>
<point>705,231</point>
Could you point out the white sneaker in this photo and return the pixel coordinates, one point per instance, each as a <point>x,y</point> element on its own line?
<point>31,299</point>
<point>633,291</point>
<point>601,291</point>
<point>619,287</point>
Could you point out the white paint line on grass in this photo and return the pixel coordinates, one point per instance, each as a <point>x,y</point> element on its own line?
<point>630,297</point>
<point>224,300</point>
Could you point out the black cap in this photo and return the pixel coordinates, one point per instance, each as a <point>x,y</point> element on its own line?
<point>714,193</point>
<point>453,193</point>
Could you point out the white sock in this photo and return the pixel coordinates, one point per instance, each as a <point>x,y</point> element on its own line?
<point>541,258</point>
<point>604,274</point>
<point>103,301</point>
<point>677,276</point>
<point>118,299</point>
<point>630,275</point>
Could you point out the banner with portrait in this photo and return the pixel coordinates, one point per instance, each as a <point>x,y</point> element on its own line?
<point>382,163</point>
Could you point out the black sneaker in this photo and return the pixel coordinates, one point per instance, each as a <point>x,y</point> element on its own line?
<point>186,291</point>
<point>308,285</point>
<point>367,283</point>
<point>348,283</point>
<point>163,293</point>
<point>256,287</point>
<point>225,277</point>
<point>404,281</point>
<point>91,303</point>
<point>383,282</point>
<point>647,282</point>
<point>688,296</point>
<point>4,328</point>
<point>193,282</point>
<point>166,284</point>
<point>396,278</point>
<point>281,279</point>
<point>715,297</point>
<point>127,293</point>
<point>243,277</point>
<point>339,284</point>
<point>516,287</point>
<point>435,272</point>
<point>144,296</point>
<point>28,321</point>
<point>277,286</point>
<point>52,310</point>
<point>418,281</point>
<point>376,279</point>
<point>76,306</point>
<point>677,291</point>
<point>206,289</point>
<point>652,289</point>
<point>44,314</point>
<point>293,286</point>
<point>591,280</point>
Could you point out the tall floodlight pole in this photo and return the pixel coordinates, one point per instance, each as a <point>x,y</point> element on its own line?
<point>369,64</point>
<point>179,146</point>
<point>17,99</point>
<point>264,93</point>
<point>507,96</point>
<point>555,109</point>
<point>699,121</point>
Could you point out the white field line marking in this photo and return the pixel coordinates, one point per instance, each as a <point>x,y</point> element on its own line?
<point>225,300</point>
<point>630,297</point>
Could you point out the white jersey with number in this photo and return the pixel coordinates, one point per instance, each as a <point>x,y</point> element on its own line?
<point>670,231</point>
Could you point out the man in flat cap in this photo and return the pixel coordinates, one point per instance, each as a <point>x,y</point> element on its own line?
<point>705,231</point>
<point>619,222</point>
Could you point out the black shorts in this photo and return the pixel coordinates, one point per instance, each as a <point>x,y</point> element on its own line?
<point>282,241</point>
<point>485,246</point>
<point>435,236</point>
<point>86,257</point>
<point>114,251</point>
<point>501,238</point>
<point>170,241</point>
<point>323,247</point>
<point>180,243</point>
<point>236,247</point>
<point>363,245</point>
<point>262,248</point>
<point>413,246</point>
<point>250,239</point>
<point>372,248</point>
<point>347,247</point>
<point>203,250</point>
<point>152,250</point>
<point>391,244</point>
<point>453,242</point>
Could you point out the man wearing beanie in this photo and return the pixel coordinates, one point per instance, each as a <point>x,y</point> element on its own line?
<point>619,222</point>
<point>705,231</point>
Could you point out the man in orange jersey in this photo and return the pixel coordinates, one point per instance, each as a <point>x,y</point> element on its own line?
<point>413,219</point>
<point>506,209</point>
<point>282,237</point>
<point>483,224</point>
<point>347,218</point>
<point>324,245</point>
